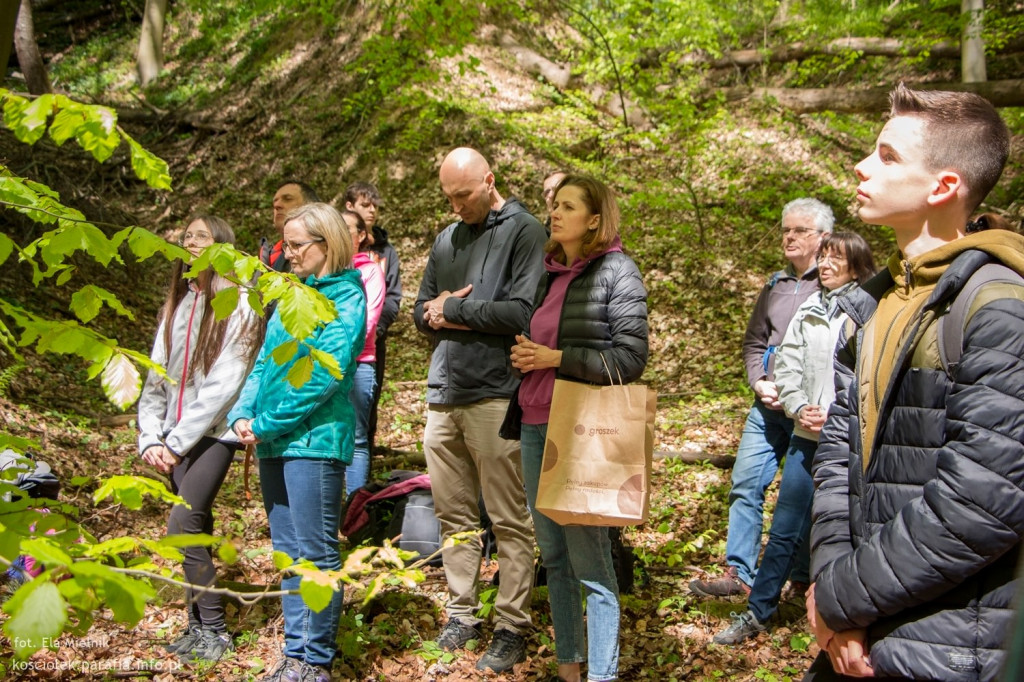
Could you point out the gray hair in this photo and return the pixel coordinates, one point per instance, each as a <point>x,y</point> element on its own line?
<point>817,211</point>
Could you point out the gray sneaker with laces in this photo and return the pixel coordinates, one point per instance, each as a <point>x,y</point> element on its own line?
<point>456,634</point>
<point>507,648</point>
<point>288,670</point>
<point>744,626</point>
<point>185,643</point>
<point>211,646</point>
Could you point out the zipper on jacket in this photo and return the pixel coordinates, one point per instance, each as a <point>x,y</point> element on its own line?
<point>906,277</point>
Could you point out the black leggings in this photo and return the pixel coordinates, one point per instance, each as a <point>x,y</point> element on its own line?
<point>198,478</point>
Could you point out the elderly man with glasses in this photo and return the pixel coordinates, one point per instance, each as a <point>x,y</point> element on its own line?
<point>767,431</point>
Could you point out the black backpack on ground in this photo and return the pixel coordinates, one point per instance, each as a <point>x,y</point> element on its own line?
<point>402,506</point>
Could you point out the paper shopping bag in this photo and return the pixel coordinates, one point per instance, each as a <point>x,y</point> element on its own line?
<point>597,457</point>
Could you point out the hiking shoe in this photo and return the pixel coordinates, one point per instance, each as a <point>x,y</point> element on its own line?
<point>507,648</point>
<point>211,646</point>
<point>726,585</point>
<point>315,673</point>
<point>744,626</point>
<point>185,642</point>
<point>456,634</point>
<point>288,670</point>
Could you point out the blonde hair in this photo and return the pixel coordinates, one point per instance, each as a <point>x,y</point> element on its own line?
<point>322,221</point>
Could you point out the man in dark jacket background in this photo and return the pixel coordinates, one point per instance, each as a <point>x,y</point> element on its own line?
<point>919,502</point>
<point>290,194</point>
<point>767,430</point>
<point>476,294</point>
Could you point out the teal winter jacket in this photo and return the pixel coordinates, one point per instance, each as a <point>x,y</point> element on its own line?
<point>315,420</point>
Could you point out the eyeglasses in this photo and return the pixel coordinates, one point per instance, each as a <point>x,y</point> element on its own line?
<point>798,232</point>
<point>295,247</point>
<point>196,238</point>
<point>829,257</point>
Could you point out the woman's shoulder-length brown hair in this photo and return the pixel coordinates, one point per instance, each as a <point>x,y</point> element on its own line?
<point>600,200</point>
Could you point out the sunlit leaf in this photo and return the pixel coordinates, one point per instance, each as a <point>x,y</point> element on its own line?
<point>149,167</point>
<point>329,362</point>
<point>301,371</point>
<point>46,551</point>
<point>285,352</point>
<point>37,616</point>
<point>121,381</point>
<point>87,301</point>
<point>225,302</point>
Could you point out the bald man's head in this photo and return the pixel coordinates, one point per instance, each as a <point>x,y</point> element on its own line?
<point>468,184</point>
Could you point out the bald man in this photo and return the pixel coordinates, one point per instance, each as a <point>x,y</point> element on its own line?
<point>477,293</point>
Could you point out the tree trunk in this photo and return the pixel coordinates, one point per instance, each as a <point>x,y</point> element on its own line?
<point>1009,93</point>
<point>8,18</point>
<point>31,61</point>
<point>560,76</point>
<point>151,41</point>
<point>972,52</point>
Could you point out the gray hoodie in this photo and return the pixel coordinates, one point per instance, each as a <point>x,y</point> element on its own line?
<point>503,260</point>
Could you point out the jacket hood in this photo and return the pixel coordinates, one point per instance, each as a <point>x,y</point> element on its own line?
<point>380,237</point>
<point>553,266</point>
<point>334,278</point>
<point>926,269</point>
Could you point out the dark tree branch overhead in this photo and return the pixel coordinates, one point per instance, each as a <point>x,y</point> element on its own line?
<point>1006,93</point>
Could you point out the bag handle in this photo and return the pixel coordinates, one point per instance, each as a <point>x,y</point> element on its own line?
<point>609,371</point>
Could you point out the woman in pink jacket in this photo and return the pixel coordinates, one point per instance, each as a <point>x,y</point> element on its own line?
<point>364,381</point>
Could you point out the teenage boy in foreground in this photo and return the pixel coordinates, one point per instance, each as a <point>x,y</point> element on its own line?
<point>919,502</point>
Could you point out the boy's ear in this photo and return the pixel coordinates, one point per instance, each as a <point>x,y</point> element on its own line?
<point>349,206</point>
<point>948,186</point>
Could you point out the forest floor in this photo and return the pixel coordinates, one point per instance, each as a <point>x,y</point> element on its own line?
<point>666,630</point>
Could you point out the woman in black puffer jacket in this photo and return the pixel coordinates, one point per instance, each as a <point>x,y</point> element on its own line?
<point>592,304</point>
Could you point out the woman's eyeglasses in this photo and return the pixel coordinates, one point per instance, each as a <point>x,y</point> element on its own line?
<point>196,238</point>
<point>295,247</point>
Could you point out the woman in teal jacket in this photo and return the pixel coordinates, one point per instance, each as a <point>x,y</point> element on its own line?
<point>304,436</point>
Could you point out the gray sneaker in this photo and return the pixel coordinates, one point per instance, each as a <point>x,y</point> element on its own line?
<point>288,670</point>
<point>744,626</point>
<point>185,643</point>
<point>507,648</point>
<point>456,635</point>
<point>211,646</point>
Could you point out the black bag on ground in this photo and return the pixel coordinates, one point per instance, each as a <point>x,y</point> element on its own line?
<point>402,507</point>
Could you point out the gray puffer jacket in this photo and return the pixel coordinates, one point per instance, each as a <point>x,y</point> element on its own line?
<point>918,542</point>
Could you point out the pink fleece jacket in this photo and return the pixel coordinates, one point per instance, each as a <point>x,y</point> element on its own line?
<point>373,282</point>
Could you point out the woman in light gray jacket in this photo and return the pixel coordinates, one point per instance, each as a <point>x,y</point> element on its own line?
<point>804,375</point>
<point>183,429</point>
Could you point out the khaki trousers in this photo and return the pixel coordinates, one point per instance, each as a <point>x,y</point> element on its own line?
<point>464,457</point>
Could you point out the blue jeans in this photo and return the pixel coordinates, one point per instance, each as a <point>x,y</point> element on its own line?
<point>361,397</point>
<point>791,526</point>
<point>575,556</point>
<point>303,502</point>
<point>764,442</point>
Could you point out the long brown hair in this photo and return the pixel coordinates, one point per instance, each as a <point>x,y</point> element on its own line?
<point>211,330</point>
